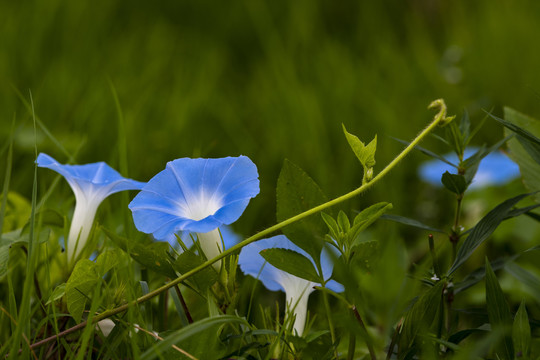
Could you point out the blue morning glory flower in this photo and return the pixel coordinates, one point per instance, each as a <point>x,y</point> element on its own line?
<point>196,196</point>
<point>495,169</point>
<point>91,184</point>
<point>296,289</point>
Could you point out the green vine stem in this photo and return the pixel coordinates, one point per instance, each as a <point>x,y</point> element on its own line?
<point>440,119</point>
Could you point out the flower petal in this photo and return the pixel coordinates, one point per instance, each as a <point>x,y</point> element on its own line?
<point>202,194</point>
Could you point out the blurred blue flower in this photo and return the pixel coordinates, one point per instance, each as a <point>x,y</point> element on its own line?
<point>91,184</point>
<point>296,289</point>
<point>196,196</point>
<point>495,169</point>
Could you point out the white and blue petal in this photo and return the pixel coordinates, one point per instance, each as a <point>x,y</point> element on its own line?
<point>91,184</point>
<point>196,196</point>
<point>296,289</point>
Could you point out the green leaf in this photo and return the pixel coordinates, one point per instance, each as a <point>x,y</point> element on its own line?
<point>364,153</point>
<point>154,256</point>
<point>343,222</point>
<point>159,348</point>
<point>57,293</point>
<point>528,166</point>
<point>455,183</point>
<point>187,261</point>
<point>107,260</point>
<point>498,312</point>
<point>527,278</point>
<point>411,222</point>
<point>521,333</point>
<point>421,315</point>
<point>485,227</point>
<point>365,255</point>
<point>296,193</point>
<point>4,259</point>
<point>332,226</point>
<point>367,217</point>
<point>17,211</point>
<point>291,262</point>
<point>79,286</point>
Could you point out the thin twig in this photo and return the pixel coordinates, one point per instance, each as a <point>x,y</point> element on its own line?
<point>184,305</point>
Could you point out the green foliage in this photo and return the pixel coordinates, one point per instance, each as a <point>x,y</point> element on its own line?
<point>153,255</point>
<point>292,262</point>
<point>524,149</point>
<point>483,230</point>
<point>297,192</point>
<point>455,183</point>
<point>521,333</point>
<point>498,313</point>
<point>364,153</point>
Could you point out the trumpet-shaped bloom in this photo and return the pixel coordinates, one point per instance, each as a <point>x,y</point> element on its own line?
<point>196,196</point>
<point>91,184</point>
<point>296,289</point>
<point>495,169</point>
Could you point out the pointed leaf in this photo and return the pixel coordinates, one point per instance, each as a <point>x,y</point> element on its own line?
<point>80,286</point>
<point>367,217</point>
<point>528,166</point>
<point>498,313</point>
<point>364,153</point>
<point>343,222</point>
<point>521,333</point>
<point>421,315</point>
<point>291,262</point>
<point>332,225</point>
<point>411,222</point>
<point>296,193</point>
<point>57,293</point>
<point>483,230</point>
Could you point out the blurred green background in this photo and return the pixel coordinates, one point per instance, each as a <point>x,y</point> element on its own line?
<point>267,79</point>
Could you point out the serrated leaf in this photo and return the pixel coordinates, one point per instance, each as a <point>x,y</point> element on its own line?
<point>411,222</point>
<point>296,193</point>
<point>455,183</point>
<point>155,256</point>
<point>367,217</point>
<point>79,287</point>
<point>187,261</point>
<point>528,166</point>
<point>521,333</point>
<point>291,262</point>
<point>498,312</point>
<point>481,231</point>
<point>57,293</point>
